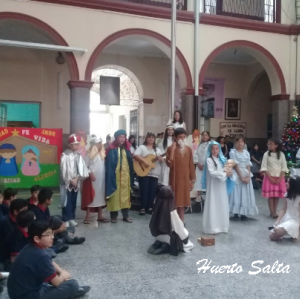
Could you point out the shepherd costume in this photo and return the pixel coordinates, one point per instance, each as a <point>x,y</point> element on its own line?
<point>166,226</point>
<point>93,192</point>
<point>118,177</point>
<point>72,166</point>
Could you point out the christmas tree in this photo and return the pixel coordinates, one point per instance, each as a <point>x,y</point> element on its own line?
<point>291,138</point>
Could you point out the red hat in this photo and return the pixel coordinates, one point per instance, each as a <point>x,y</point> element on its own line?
<point>74,139</point>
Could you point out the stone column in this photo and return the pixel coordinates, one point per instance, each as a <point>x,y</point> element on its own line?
<point>187,107</point>
<point>80,105</point>
<point>280,112</point>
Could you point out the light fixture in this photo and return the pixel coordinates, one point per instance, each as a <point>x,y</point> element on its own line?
<point>60,59</point>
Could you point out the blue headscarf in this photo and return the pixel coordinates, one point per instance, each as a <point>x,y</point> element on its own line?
<point>120,132</point>
<point>229,183</point>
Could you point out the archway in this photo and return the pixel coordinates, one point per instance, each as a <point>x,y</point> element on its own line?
<point>106,119</point>
<point>152,37</point>
<point>51,32</point>
<point>263,56</point>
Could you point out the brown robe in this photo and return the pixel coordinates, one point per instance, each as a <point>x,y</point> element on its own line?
<point>182,172</point>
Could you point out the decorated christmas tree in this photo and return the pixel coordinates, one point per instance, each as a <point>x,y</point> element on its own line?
<point>291,138</point>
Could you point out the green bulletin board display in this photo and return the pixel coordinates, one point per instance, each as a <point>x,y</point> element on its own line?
<point>30,156</point>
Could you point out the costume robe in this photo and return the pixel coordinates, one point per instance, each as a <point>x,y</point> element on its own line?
<point>165,170</point>
<point>118,178</point>
<point>182,172</point>
<point>216,208</point>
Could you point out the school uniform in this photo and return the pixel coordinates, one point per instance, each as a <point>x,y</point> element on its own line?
<point>7,226</point>
<point>29,278</point>
<point>30,203</point>
<point>17,241</point>
<point>41,212</point>
<point>4,208</point>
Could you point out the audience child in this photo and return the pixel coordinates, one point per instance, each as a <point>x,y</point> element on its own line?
<point>274,168</point>
<point>18,239</point>
<point>41,278</point>
<point>7,226</point>
<point>288,219</point>
<point>33,200</point>
<point>42,213</point>
<point>8,196</point>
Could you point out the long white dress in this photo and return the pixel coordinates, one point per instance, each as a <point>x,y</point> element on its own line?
<point>97,166</point>
<point>200,157</point>
<point>216,208</point>
<point>242,198</point>
<point>290,221</point>
<point>165,170</point>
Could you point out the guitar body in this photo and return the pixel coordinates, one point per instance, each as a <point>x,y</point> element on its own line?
<point>140,169</point>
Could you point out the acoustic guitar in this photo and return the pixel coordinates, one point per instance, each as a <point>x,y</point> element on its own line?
<point>139,167</point>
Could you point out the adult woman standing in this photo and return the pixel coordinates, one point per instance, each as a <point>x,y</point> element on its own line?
<point>132,142</point>
<point>221,141</point>
<point>148,184</point>
<point>199,160</point>
<point>177,121</point>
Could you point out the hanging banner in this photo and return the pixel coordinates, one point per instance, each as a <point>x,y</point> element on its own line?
<point>233,129</point>
<point>213,98</point>
<point>30,156</point>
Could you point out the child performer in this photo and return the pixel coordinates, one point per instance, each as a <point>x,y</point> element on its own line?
<point>242,199</point>
<point>182,171</point>
<point>288,220</point>
<point>216,209</point>
<point>163,146</point>
<point>199,159</point>
<point>72,168</point>
<point>274,167</point>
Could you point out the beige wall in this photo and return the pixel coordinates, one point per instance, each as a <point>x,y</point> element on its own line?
<point>249,84</point>
<point>64,19</point>
<point>31,75</point>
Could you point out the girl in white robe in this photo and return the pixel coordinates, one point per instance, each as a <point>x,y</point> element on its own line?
<point>177,121</point>
<point>163,146</point>
<point>214,180</point>
<point>93,201</point>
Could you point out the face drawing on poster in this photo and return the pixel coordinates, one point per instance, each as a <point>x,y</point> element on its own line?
<point>30,163</point>
<point>8,164</point>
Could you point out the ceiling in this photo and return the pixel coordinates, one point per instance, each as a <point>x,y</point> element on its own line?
<point>234,56</point>
<point>134,46</point>
<point>16,30</point>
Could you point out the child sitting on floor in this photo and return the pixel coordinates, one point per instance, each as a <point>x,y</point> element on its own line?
<point>8,196</point>
<point>288,219</point>
<point>33,270</point>
<point>42,213</point>
<point>33,200</point>
<point>18,239</point>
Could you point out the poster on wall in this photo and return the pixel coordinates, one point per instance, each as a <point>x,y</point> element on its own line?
<point>30,156</point>
<point>233,129</point>
<point>213,98</point>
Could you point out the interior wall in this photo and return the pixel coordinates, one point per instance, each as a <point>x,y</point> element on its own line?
<point>255,105</point>
<point>32,75</point>
<point>153,74</point>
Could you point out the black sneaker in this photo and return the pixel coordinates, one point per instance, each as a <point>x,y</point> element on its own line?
<point>82,291</point>
<point>77,240</point>
<point>60,249</point>
<point>236,217</point>
<point>244,218</point>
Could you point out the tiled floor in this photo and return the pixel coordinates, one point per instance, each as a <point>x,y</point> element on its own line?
<point>114,261</point>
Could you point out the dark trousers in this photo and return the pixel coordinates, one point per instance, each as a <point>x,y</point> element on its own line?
<point>67,290</point>
<point>68,212</point>
<point>148,189</point>
<point>125,213</point>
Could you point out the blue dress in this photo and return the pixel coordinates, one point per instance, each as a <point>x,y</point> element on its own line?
<point>242,199</point>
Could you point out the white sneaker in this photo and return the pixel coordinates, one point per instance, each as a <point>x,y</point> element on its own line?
<point>73,223</point>
<point>67,224</point>
<point>198,199</point>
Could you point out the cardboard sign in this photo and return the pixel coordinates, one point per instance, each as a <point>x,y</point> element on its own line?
<point>233,129</point>
<point>30,156</point>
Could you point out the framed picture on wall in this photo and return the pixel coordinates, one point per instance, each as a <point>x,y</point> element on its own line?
<point>232,109</point>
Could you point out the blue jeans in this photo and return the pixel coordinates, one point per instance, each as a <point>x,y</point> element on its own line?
<point>66,290</point>
<point>68,212</point>
<point>148,190</point>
